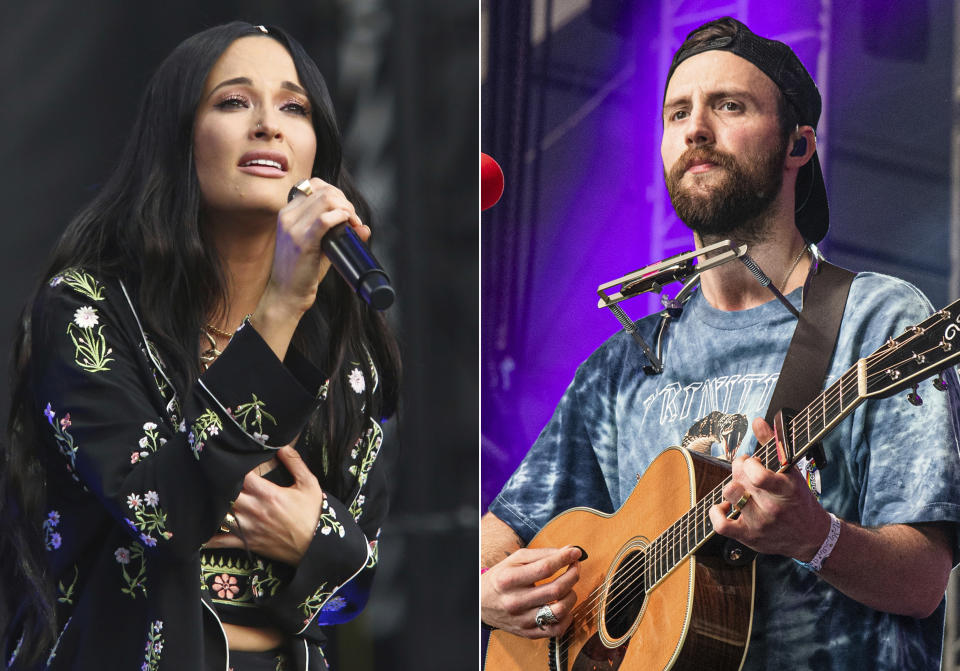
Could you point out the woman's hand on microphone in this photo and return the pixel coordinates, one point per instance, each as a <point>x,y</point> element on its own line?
<point>299,263</point>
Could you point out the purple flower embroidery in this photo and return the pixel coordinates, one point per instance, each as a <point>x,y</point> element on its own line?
<point>334,604</point>
<point>149,541</point>
<point>55,540</point>
<point>122,555</point>
<point>51,415</point>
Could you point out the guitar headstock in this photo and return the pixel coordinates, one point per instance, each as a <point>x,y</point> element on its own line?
<point>918,353</point>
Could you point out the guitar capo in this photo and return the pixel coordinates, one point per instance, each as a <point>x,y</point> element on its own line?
<point>678,268</point>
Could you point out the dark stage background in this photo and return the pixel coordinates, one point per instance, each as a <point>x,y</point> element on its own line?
<point>403,74</point>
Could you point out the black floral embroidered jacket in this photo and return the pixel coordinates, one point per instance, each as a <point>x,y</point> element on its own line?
<point>139,479</point>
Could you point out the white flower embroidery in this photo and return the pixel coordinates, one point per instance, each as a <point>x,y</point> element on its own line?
<point>122,555</point>
<point>152,498</point>
<point>133,501</point>
<point>356,381</point>
<point>143,442</point>
<point>85,317</point>
<point>149,426</point>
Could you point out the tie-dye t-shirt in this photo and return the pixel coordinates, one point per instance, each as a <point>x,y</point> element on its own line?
<point>889,462</point>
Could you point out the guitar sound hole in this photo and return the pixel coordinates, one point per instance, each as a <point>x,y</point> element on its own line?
<point>626,595</point>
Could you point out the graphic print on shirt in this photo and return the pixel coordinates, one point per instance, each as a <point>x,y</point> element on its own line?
<point>718,428</point>
<point>674,403</point>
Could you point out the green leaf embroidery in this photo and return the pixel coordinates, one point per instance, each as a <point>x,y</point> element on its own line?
<point>250,416</point>
<point>369,443</point>
<point>328,520</point>
<point>207,424</point>
<point>91,351</point>
<point>226,579</point>
<point>154,647</point>
<point>64,440</point>
<point>148,517</point>
<point>148,444</point>
<point>133,558</point>
<point>67,591</point>
<point>263,582</point>
<point>313,603</point>
<point>81,282</point>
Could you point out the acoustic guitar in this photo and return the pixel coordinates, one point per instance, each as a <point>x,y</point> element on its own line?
<point>661,589</point>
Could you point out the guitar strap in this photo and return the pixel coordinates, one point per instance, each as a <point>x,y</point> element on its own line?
<point>808,357</point>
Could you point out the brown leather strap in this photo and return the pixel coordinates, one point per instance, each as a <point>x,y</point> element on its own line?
<point>808,357</point>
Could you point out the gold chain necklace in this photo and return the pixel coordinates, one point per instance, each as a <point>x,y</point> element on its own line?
<point>796,262</point>
<point>213,329</point>
<point>209,355</point>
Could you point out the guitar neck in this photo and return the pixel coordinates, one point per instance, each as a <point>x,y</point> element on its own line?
<point>805,430</point>
<point>919,352</point>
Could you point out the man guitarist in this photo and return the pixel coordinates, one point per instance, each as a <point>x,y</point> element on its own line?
<point>852,578</point>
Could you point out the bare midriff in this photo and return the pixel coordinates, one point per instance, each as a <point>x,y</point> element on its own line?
<point>252,639</point>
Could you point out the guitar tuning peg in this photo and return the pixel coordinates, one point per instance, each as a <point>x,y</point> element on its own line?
<point>939,383</point>
<point>914,397</point>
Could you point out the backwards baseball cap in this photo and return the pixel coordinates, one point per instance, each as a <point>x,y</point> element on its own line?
<point>777,61</point>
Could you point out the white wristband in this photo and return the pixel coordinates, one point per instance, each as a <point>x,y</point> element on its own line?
<point>817,562</point>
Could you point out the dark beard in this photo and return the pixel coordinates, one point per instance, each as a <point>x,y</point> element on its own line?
<point>736,205</point>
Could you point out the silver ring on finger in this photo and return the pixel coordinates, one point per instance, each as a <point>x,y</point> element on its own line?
<point>545,616</point>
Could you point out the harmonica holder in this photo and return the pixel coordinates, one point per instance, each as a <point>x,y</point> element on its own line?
<point>652,278</point>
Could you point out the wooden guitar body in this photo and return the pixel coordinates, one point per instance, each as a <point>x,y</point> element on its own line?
<point>656,590</point>
<point>697,617</point>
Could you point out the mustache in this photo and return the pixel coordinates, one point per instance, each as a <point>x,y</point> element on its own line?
<point>706,154</point>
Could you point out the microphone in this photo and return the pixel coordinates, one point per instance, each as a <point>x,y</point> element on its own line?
<point>491,182</point>
<point>355,263</point>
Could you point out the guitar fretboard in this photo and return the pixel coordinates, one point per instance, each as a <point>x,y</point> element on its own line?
<point>809,426</point>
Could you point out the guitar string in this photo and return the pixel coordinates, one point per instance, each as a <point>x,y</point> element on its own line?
<point>655,551</point>
<point>663,542</point>
<point>767,451</point>
<point>661,546</point>
<point>666,542</point>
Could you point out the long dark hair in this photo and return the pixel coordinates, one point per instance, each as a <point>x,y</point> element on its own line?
<point>149,211</point>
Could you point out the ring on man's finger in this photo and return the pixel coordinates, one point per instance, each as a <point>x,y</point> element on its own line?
<point>742,501</point>
<point>545,616</point>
